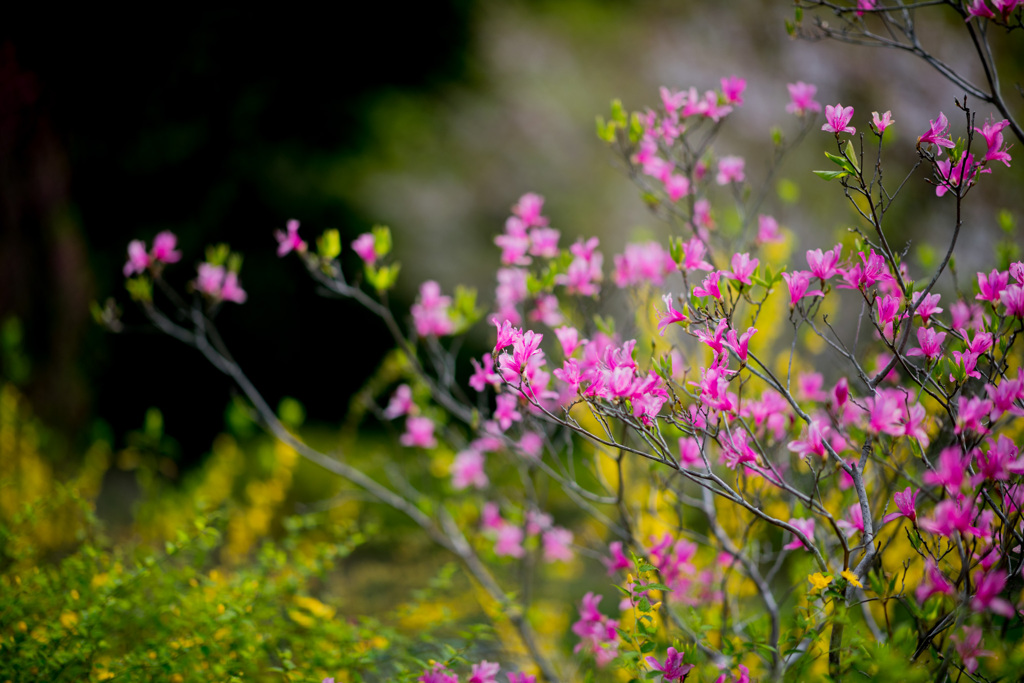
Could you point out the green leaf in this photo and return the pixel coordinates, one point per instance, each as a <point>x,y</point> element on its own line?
<point>291,412</point>
<point>381,240</point>
<point>605,325</point>
<point>830,175</point>
<point>618,113</point>
<point>139,289</point>
<point>605,130</point>
<point>217,254</point>
<point>329,244</point>
<point>851,155</point>
<point>842,162</point>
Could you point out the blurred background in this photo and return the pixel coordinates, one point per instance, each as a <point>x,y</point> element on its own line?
<point>432,118</point>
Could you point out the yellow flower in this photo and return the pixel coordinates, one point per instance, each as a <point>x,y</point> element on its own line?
<point>819,581</point>
<point>852,578</point>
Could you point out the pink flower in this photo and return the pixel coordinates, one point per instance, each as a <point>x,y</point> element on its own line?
<point>670,316</point>
<point>934,582</point>
<point>732,89</point>
<point>767,229</point>
<point>219,284</point>
<point>730,170</point>
<point>468,470</point>
<point>484,672</point>
<point>693,256</point>
<point>978,8</point>
<point>881,122</point>
<point>950,471</point>
<point>739,346</point>
<point>906,504</point>
<point>618,559</point>
<point>854,521</point>
<point>709,287</point>
<point>365,248</point>
<point>438,673</point>
<point>510,541</point>
<point>801,97</point>
<point>643,263</point>
<point>138,259</point>
<point>838,118</point>
<point>938,134</point>
<point>163,248</point>
<point>930,343</point>
<point>673,669</point>
<point>520,677</point>
<point>289,241</point>
<point>804,526</point>
<point>863,5</point>
<point>400,403</point>
<point>1013,298</point>
<point>557,542</point>
<point>968,646</point>
<point>544,242</point>
<point>528,210</point>
<point>824,265</point>
<point>689,452</point>
<point>743,268</point>
<point>419,431</point>
<point>992,132</point>
<point>677,186</point>
<point>950,517</point>
<point>483,374</point>
<point>954,176</point>
<point>596,631</point>
<point>988,586</point>
<point>505,412</point>
<point>928,307</point>
<point>990,286</point>
<point>798,283</point>
<point>430,312</point>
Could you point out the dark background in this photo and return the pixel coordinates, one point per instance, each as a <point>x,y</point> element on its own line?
<point>116,127</point>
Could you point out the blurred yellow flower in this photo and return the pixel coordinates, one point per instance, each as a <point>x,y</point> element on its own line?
<point>852,578</point>
<point>819,581</point>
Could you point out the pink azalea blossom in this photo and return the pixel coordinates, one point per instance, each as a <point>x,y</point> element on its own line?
<point>365,247</point>
<point>950,517</point>
<point>138,259</point>
<point>677,186</point>
<point>732,89</point>
<point>288,241</point>
<point>510,541</point>
<point>438,673</point>
<point>528,210</point>
<point>804,526</point>
<point>557,544</point>
<point>618,559</point>
<point>730,170</point>
<point>954,176</point>
<point>484,672</point>
<point>670,316</point>
<point>164,248</point>
<point>400,403</point>
<point>1013,299</point>
<point>468,470</point>
<point>743,268</point>
<point>978,8</point>
<point>709,287</point>
<point>689,452</point>
<point>643,263</point>
<point>519,677</point>
<point>419,432</point>
<point>430,312</point>
<point>596,631</point>
<point>767,229</point>
<point>673,669</point>
<point>801,97</point>
<point>968,646</point>
<point>854,520</point>
<point>928,307</point>
<point>938,134</point>
<point>906,502</point>
<point>219,284</point>
<point>864,5</point>
<point>693,256</point>
<point>930,343</point>
<point>798,282</point>
<point>824,265</point>
<point>992,132</point>
<point>991,285</point>
<point>881,122</point>
<point>838,119</point>
<point>544,242</point>
<point>987,587</point>
<point>739,345</point>
<point>934,582</point>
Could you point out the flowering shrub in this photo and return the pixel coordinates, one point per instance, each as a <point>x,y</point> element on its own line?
<point>792,493</point>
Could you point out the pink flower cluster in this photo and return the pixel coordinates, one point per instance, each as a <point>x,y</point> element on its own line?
<point>219,283</point>
<point>556,541</point>
<point>481,672</point>
<point>597,632</point>
<point>163,252</point>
